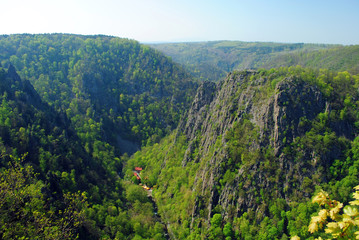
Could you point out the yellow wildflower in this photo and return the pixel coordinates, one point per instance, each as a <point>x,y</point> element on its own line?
<point>355,202</point>
<point>334,211</point>
<point>321,198</point>
<point>356,195</point>
<point>351,211</point>
<point>333,228</point>
<point>313,226</point>
<point>323,214</point>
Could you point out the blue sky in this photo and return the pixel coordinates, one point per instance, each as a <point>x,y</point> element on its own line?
<point>308,21</point>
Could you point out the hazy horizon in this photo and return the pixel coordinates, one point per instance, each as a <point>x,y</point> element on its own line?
<point>159,21</point>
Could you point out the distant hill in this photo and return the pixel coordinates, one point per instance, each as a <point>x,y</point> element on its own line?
<point>240,158</point>
<point>340,58</point>
<point>126,93</point>
<point>213,60</point>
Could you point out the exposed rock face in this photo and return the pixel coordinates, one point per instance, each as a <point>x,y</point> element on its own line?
<point>278,116</point>
<point>294,100</point>
<point>196,115</point>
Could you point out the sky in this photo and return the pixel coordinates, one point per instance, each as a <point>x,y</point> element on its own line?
<point>290,21</point>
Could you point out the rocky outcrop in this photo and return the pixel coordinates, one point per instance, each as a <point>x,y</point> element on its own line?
<point>278,115</point>
<point>196,116</point>
<point>294,100</point>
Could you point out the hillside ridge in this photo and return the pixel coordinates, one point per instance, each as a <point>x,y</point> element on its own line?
<point>253,141</point>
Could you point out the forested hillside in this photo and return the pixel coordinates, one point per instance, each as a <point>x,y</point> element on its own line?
<point>118,89</point>
<point>61,140</point>
<point>237,158</point>
<point>51,186</point>
<point>253,150</point>
<point>341,58</point>
<point>213,60</point>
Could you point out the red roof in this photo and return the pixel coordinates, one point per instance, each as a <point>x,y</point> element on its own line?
<point>138,177</point>
<point>138,169</point>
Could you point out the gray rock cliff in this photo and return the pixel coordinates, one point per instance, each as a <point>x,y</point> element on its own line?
<point>279,115</point>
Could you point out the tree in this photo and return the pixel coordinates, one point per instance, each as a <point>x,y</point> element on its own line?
<point>26,213</point>
<point>227,231</point>
<point>134,192</point>
<point>215,231</point>
<point>340,222</point>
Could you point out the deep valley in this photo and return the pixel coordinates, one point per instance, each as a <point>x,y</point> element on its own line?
<point>105,138</point>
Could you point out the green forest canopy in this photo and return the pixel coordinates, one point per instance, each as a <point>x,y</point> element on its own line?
<point>94,94</point>
<point>213,60</point>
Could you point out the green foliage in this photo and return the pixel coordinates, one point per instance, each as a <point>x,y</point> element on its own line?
<point>215,231</point>
<point>70,155</point>
<point>110,88</point>
<point>175,205</point>
<point>213,60</point>
<point>240,138</point>
<point>26,213</point>
<point>203,61</point>
<point>336,58</point>
<point>341,221</point>
<point>230,179</point>
<point>276,180</point>
<point>136,193</point>
<point>216,220</point>
<point>227,231</point>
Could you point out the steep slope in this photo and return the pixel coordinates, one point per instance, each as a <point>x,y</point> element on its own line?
<point>251,152</point>
<point>33,131</point>
<point>213,60</point>
<point>31,126</point>
<point>94,98</point>
<point>118,89</point>
<point>44,195</point>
